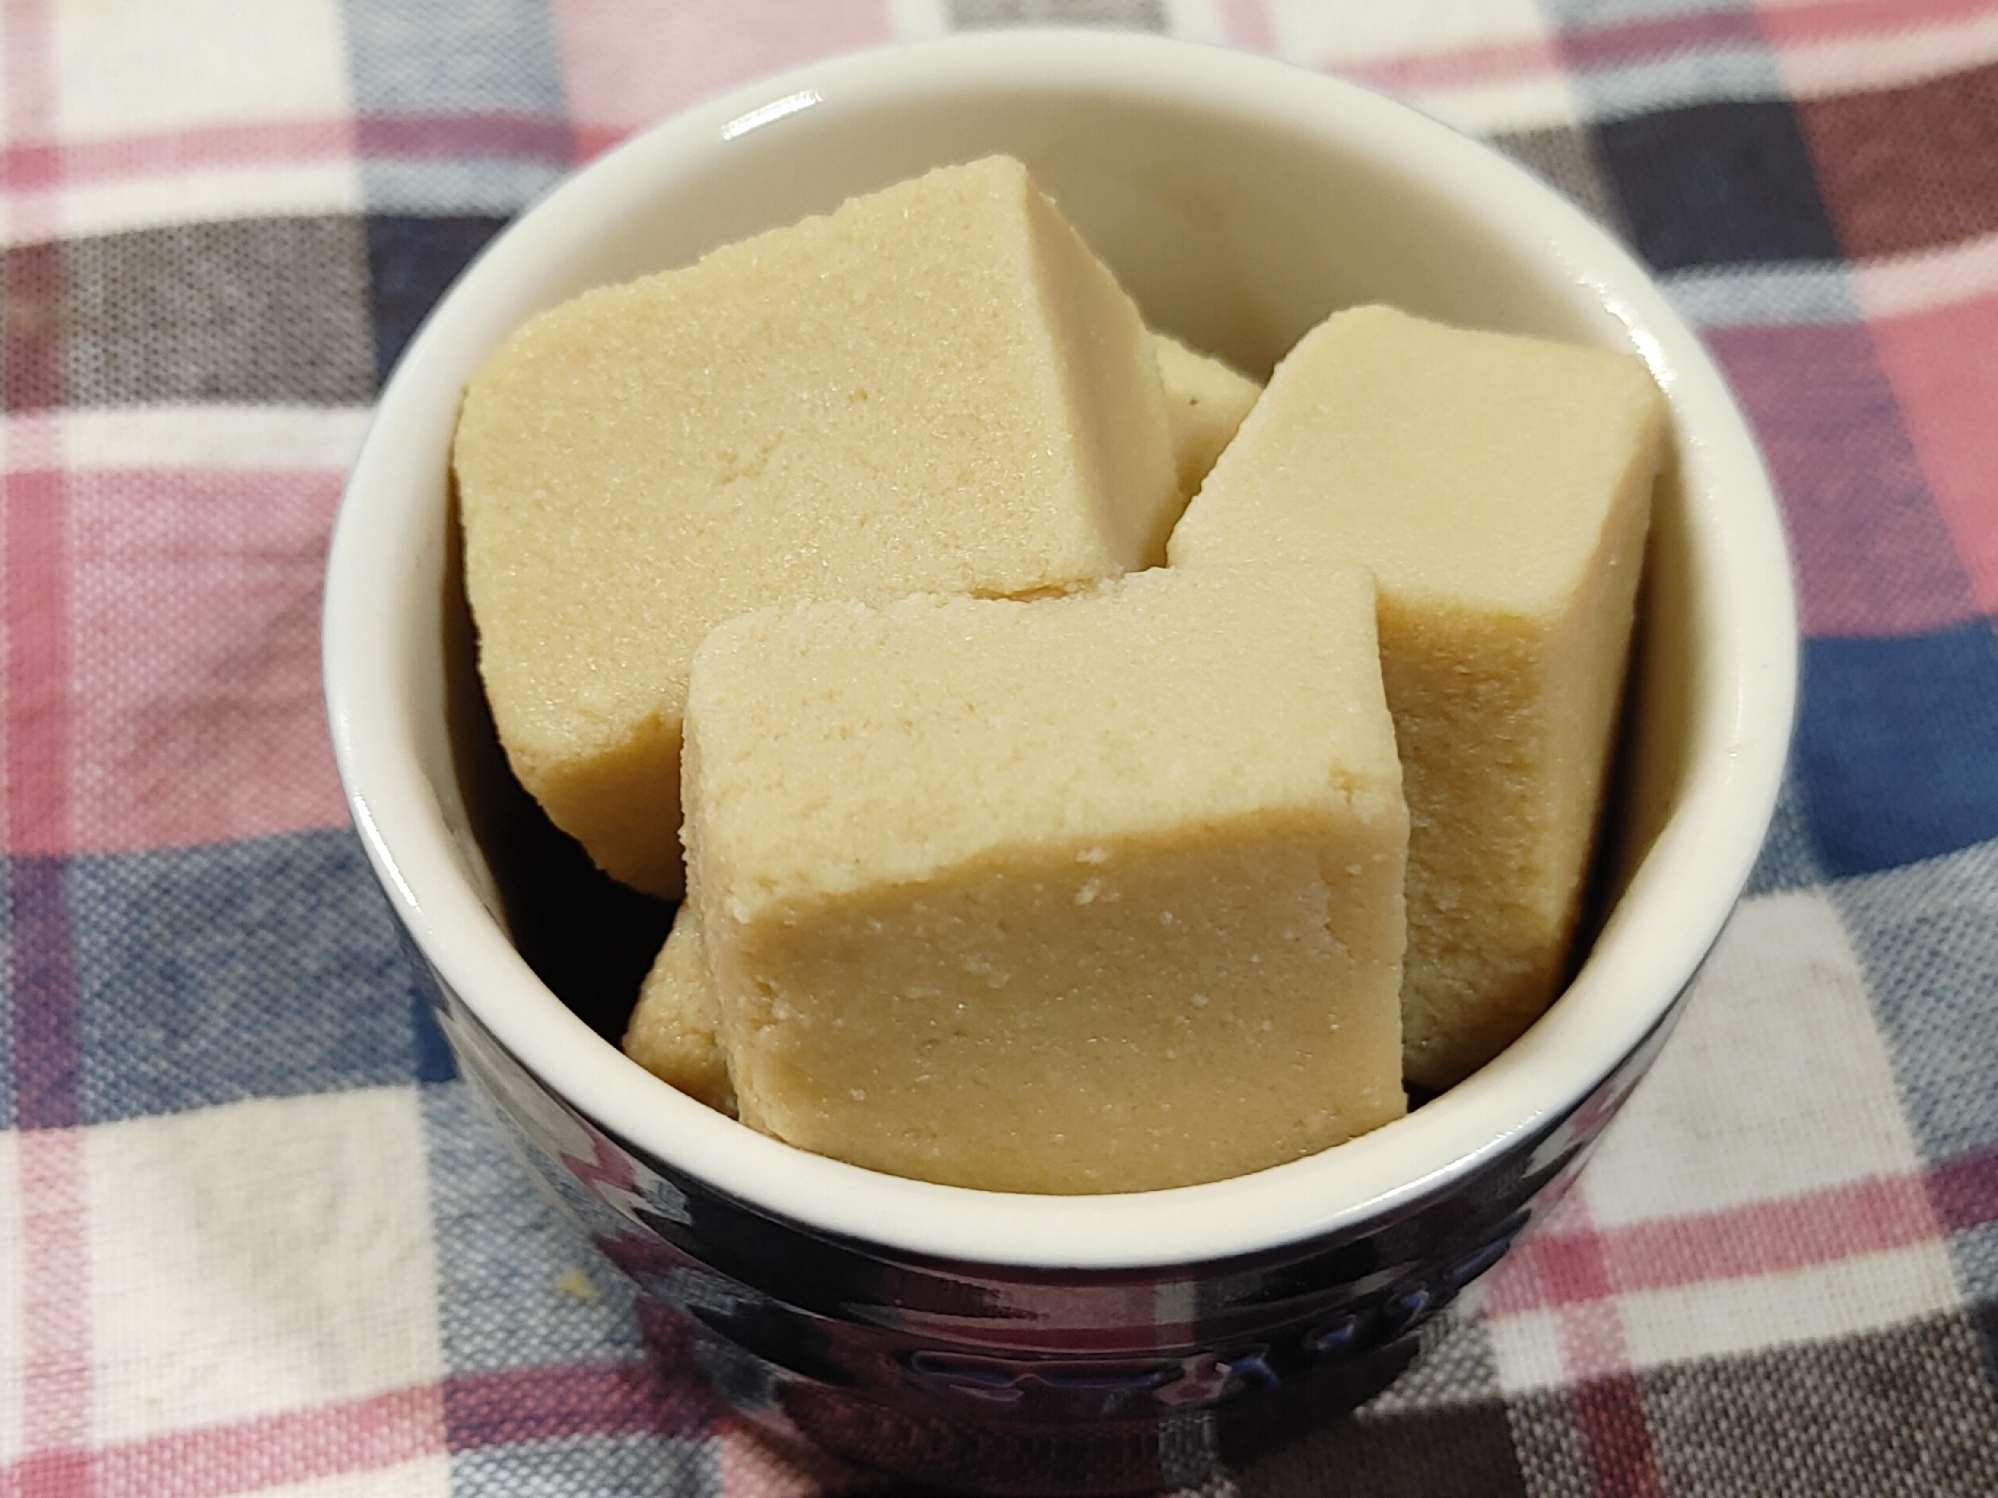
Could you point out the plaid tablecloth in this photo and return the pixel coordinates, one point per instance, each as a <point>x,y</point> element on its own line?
<point>254,1235</point>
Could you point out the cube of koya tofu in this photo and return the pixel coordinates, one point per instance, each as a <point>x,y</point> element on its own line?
<point>1095,893</point>
<point>673,1030</point>
<point>934,388</point>
<point>1206,401</point>
<point>1499,488</point>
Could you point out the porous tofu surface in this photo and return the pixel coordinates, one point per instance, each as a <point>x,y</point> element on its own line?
<point>1095,893</point>
<point>1499,489</point>
<point>936,387</point>
<point>1206,401</point>
<point>673,1028</point>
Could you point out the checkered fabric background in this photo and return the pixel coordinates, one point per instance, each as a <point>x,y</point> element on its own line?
<point>254,1236</point>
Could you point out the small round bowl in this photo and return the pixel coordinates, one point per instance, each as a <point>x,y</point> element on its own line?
<point>1015,1343</point>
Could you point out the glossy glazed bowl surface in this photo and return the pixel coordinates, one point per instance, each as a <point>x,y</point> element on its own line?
<point>968,1335</point>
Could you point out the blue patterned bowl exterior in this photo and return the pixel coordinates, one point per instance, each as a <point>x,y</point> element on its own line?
<point>1026,1381</point>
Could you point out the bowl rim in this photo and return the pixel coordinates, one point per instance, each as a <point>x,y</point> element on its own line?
<point>378,692</point>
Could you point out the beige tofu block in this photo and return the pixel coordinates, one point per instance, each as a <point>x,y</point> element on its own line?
<point>1206,400</point>
<point>673,1028</point>
<point>1087,894</point>
<point>1499,488</point>
<point>936,387</point>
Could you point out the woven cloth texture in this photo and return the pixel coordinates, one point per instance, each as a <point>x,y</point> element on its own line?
<point>255,1237</point>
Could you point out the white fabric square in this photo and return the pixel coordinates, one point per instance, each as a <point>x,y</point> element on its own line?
<point>303,189</point>
<point>1311,32</point>
<point>234,437</point>
<point>1551,1347</point>
<point>426,1477</point>
<point>1527,1351</point>
<point>259,1257</point>
<point>136,67</point>
<point>1820,1303</point>
<point>1775,1084</point>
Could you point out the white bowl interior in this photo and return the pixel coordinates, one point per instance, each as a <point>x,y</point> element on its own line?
<point>1240,201</point>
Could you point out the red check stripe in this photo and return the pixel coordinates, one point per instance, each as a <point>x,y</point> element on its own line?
<point>36,163</point>
<point>35,732</point>
<point>1637,42</point>
<point>27,98</point>
<point>550,1403</point>
<point>361,1435</point>
<point>1610,1416</point>
<point>36,584</point>
<point>194,637</point>
<point>1456,67</point>
<point>1568,1266</point>
<point>1647,41</point>
<point>466,1412</point>
<point>1603,1399</point>
<point>1789,25</point>
<point>1248,24</point>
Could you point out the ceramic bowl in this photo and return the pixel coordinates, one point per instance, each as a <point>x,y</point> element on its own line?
<point>1015,1343</point>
